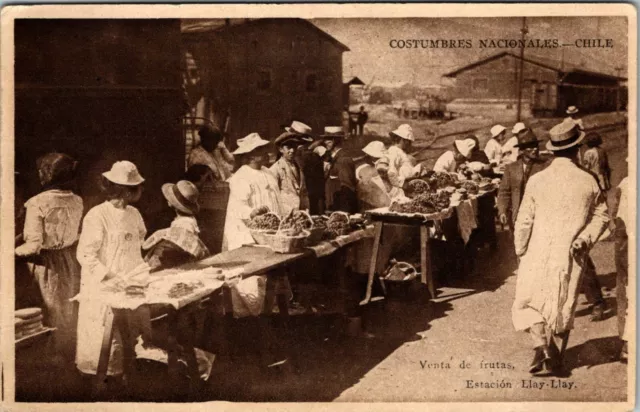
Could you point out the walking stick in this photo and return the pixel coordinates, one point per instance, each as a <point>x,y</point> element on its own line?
<point>564,336</point>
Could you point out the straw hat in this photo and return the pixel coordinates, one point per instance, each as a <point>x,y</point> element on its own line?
<point>497,129</point>
<point>404,131</point>
<point>465,146</point>
<point>518,127</point>
<point>287,137</point>
<point>374,149</point>
<point>124,173</point>
<point>333,132</point>
<point>572,110</point>
<point>300,129</point>
<point>249,143</point>
<point>183,196</point>
<point>564,136</point>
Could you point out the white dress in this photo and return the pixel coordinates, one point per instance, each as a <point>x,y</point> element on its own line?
<point>110,242</point>
<point>249,189</point>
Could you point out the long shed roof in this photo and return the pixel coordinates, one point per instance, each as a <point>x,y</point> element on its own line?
<point>220,25</point>
<point>547,63</point>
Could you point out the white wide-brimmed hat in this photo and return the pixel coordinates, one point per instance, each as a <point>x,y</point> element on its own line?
<point>572,110</point>
<point>249,143</point>
<point>301,129</point>
<point>465,146</point>
<point>564,136</point>
<point>404,131</point>
<point>375,149</point>
<point>183,196</point>
<point>124,173</point>
<point>518,127</point>
<point>497,129</point>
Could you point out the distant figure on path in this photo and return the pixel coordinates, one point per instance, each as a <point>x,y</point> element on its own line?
<point>363,117</point>
<point>572,111</point>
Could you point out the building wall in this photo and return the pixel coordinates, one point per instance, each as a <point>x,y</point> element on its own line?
<point>101,91</point>
<point>260,73</point>
<point>497,79</point>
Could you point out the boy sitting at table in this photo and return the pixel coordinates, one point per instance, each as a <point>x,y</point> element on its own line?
<point>180,243</point>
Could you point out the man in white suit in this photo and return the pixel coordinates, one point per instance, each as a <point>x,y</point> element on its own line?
<point>562,215</point>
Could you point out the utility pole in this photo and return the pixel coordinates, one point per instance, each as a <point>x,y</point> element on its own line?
<point>618,70</point>
<point>524,31</point>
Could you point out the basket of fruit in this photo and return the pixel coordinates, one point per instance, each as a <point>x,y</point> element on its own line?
<point>287,241</point>
<point>317,230</point>
<point>262,225</point>
<point>290,234</point>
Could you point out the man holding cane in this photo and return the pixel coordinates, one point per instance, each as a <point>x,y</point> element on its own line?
<point>562,215</point>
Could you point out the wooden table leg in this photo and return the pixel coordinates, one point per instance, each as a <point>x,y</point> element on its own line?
<point>188,336</point>
<point>172,342</point>
<point>425,260</point>
<point>122,322</point>
<point>105,353</point>
<point>374,261</point>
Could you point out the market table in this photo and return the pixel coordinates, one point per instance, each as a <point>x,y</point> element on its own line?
<point>243,262</point>
<point>382,216</point>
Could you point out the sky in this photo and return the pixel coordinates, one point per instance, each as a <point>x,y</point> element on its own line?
<point>372,58</point>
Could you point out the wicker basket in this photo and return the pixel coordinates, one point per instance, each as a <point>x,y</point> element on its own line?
<point>260,236</point>
<point>286,244</point>
<point>315,236</point>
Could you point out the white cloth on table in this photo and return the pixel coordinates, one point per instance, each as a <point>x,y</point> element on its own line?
<point>110,242</point>
<point>467,212</point>
<point>52,221</point>
<point>249,189</point>
<point>493,150</point>
<point>560,204</point>
<point>446,163</point>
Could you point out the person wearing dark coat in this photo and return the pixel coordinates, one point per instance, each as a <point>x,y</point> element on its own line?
<point>312,166</point>
<point>180,243</point>
<point>341,182</point>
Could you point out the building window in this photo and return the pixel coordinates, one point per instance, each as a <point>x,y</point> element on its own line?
<point>481,84</point>
<point>311,82</point>
<point>264,81</point>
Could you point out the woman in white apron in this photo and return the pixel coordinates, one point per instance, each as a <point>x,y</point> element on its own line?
<point>253,188</point>
<point>109,245</point>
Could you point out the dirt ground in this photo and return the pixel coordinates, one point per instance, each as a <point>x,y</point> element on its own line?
<point>415,353</point>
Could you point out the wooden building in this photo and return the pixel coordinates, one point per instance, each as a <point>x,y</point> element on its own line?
<point>259,75</point>
<point>549,86</point>
<point>100,91</point>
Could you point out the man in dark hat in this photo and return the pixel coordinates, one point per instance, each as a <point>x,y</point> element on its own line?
<point>341,183</point>
<point>516,175</point>
<point>312,166</point>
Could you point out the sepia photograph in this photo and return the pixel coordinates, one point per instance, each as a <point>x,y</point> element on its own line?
<point>319,207</point>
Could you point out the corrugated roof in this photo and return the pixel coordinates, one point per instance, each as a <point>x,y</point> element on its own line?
<point>552,64</point>
<point>218,25</point>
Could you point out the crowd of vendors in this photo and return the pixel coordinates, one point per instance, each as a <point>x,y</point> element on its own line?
<point>71,255</point>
